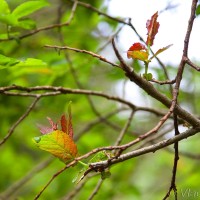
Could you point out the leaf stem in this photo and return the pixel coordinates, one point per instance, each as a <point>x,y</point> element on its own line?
<point>82,163</point>
<point>146,64</point>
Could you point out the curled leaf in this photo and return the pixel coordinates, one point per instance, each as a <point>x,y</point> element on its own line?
<point>138,51</point>
<point>152,29</point>
<point>148,76</point>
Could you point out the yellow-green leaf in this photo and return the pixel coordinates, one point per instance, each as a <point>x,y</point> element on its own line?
<point>28,7</point>
<point>57,143</point>
<point>4,8</point>
<point>160,51</point>
<point>140,55</point>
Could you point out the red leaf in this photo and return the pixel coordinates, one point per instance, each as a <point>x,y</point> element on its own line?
<point>136,47</point>
<point>54,126</point>
<point>138,51</point>
<point>70,127</point>
<point>44,129</point>
<point>140,55</point>
<point>152,27</point>
<point>63,122</point>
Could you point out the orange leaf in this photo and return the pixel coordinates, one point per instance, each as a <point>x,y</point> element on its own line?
<point>137,46</point>
<point>138,51</point>
<point>58,144</point>
<point>140,55</point>
<point>152,28</point>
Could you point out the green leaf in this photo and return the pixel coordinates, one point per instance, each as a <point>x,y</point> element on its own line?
<point>100,156</point>
<point>7,61</point>
<point>9,19</point>
<point>11,34</point>
<point>4,8</point>
<point>198,10</point>
<point>140,55</point>
<point>27,24</point>
<point>31,62</point>
<point>28,7</point>
<point>58,143</point>
<point>160,51</point>
<point>148,76</point>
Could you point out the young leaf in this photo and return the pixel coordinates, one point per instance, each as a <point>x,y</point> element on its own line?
<point>63,122</point>
<point>100,156</point>
<point>27,8</point>
<point>4,36</point>
<point>44,129</point>
<point>4,8</point>
<point>138,51</point>
<point>148,76</point>
<point>66,124</point>
<point>26,24</point>
<point>160,51</point>
<point>152,27</point>
<point>29,62</point>
<point>198,10</point>
<point>9,19</point>
<point>7,61</point>
<point>140,55</point>
<point>69,125</point>
<point>58,144</point>
<point>137,47</point>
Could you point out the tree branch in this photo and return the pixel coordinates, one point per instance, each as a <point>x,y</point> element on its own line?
<point>149,88</point>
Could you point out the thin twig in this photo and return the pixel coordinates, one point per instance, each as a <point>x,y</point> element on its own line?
<point>123,157</point>
<point>62,90</point>
<point>176,158</point>
<point>164,82</point>
<point>97,188</point>
<point>191,64</point>
<point>142,151</point>
<point>77,188</point>
<point>11,131</point>
<point>82,51</point>
<point>99,120</point>
<point>45,28</point>
<point>148,87</point>
<point>125,128</point>
<point>53,177</point>
<point>86,5</point>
